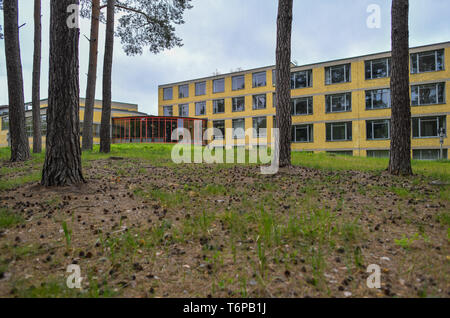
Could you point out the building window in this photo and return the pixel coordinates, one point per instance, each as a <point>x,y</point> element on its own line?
<point>378,68</point>
<point>259,79</point>
<point>427,61</point>
<point>341,152</point>
<point>378,99</point>
<point>338,103</point>
<point>339,131</point>
<point>302,106</point>
<point>220,125</point>
<point>428,94</point>
<point>238,128</point>
<point>183,91</point>
<point>168,110</point>
<point>260,126</point>
<point>378,129</point>
<point>218,106</point>
<point>274,100</point>
<point>5,123</point>
<point>274,77</point>
<point>259,101</point>
<point>427,126</point>
<point>338,74</point>
<point>200,108</point>
<point>219,85</point>
<point>429,154</point>
<point>238,104</point>
<point>200,88</point>
<point>167,93</point>
<point>238,82</point>
<point>301,79</point>
<point>183,110</point>
<point>302,133</point>
<point>378,153</point>
<point>43,125</point>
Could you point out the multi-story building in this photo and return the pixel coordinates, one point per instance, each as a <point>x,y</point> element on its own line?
<point>338,106</point>
<point>117,110</point>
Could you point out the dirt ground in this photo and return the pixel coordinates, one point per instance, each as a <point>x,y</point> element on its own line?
<point>138,230</point>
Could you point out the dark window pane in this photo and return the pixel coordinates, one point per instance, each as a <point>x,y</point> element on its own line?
<point>259,79</point>
<point>219,85</point>
<point>200,108</point>
<point>238,104</point>
<point>218,106</point>
<point>167,93</point>
<point>238,82</point>
<point>200,88</point>
<point>183,91</point>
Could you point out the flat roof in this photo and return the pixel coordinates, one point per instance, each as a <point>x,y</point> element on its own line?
<point>299,67</point>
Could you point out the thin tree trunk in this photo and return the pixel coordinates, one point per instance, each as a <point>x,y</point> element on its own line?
<point>62,164</point>
<point>92,78</point>
<point>20,149</point>
<point>37,138</point>
<point>283,80</point>
<point>400,154</point>
<point>105,134</point>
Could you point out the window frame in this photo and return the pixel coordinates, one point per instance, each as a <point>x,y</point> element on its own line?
<point>168,107</point>
<point>372,93</point>
<point>234,135</point>
<point>258,134</point>
<point>218,80</point>
<point>197,113</point>
<point>329,103</point>
<point>233,78</point>
<point>346,123</point>
<point>309,132</point>
<point>372,124</point>
<point>388,62</point>
<point>180,106</point>
<point>255,77</point>
<point>437,94</point>
<point>233,110</point>
<point>215,106</point>
<point>309,80</point>
<point>309,105</point>
<point>415,69</point>
<point>183,86</point>
<point>347,73</point>
<point>171,93</point>
<point>214,122</point>
<point>253,101</point>
<point>203,83</point>
<point>428,118</point>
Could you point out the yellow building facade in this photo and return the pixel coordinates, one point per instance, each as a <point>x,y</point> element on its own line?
<point>340,106</point>
<point>117,110</point>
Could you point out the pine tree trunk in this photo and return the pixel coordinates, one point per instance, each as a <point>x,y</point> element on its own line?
<point>20,149</point>
<point>105,130</point>
<point>37,138</point>
<point>62,164</point>
<point>400,154</point>
<point>92,78</point>
<point>283,80</point>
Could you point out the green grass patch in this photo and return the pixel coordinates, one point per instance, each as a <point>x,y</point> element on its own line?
<point>9,219</point>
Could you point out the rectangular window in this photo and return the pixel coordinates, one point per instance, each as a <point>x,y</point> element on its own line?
<point>274,77</point>
<point>167,93</point>
<point>302,133</point>
<point>338,74</point>
<point>259,79</point>
<point>302,106</point>
<point>378,129</point>
<point>219,85</point>
<point>341,152</point>
<point>378,99</point>
<point>428,94</point>
<point>200,88</point>
<point>378,68</point>
<point>238,104</point>
<point>238,128</point>
<point>423,127</point>
<point>301,79</point>
<point>429,154</point>
<point>378,153</point>
<point>183,91</point>
<point>5,123</point>
<point>168,110</point>
<point>339,131</point>
<point>430,61</point>
<point>259,101</point>
<point>260,126</point>
<point>200,108</point>
<point>338,103</point>
<point>218,106</point>
<point>238,82</point>
<point>220,125</point>
<point>183,110</point>
<point>43,125</point>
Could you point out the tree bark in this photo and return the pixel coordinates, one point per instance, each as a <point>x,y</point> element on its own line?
<point>400,154</point>
<point>283,80</point>
<point>105,130</point>
<point>92,78</point>
<point>62,164</point>
<point>37,138</point>
<point>20,149</point>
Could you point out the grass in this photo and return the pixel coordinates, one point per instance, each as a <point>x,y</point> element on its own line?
<point>9,219</point>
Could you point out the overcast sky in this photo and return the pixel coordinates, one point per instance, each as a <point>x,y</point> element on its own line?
<point>224,35</point>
